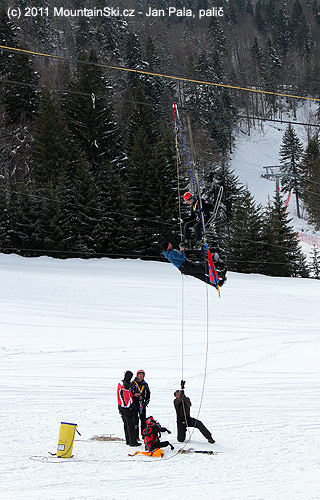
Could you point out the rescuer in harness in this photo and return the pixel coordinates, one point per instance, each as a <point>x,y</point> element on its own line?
<point>194,220</point>
<point>141,398</point>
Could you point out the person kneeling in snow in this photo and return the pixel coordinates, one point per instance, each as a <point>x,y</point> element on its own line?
<point>185,266</point>
<point>182,406</point>
<point>152,434</point>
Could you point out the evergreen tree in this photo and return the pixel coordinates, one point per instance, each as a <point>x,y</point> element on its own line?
<point>271,15</point>
<point>272,74</point>
<point>138,173</point>
<point>113,232</point>
<point>78,208</point>
<point>231,191</point>
<point>311,154</point>
<point>249,8</point>
<point>246,251</point>
<point>191,91</point>
<point>316,10</point>
<point>217,99</point>
<point>283,35</point>
<point>154,86</point>
<point>8,38</point>
<point>47,234</point>
<point>20,102</point>
<point>3,212</point>
<point>162,209</point>
<point>50,151</point>
<point>84,34</point>
<point>290,153</point>
<point>258,58</point>
<point>91,120</point>
<point>283,255</point>
<point>259,16</point>
<point>311,195</point>
<point>133,60</point>
<point>315,266</point>
<point>297,16</point>
<point>301,31</point>
<point>149,175</point>
<point>19,221</point>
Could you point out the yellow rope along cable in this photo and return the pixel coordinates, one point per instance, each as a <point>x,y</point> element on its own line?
<point>162,75</point>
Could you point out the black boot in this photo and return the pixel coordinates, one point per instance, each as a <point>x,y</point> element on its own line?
<point>222,281</point>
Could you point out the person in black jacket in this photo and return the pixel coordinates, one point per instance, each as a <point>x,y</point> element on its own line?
<point>141,398</point>
<point>182,406</point>
<point>125,407</point>
<point>194,220</point>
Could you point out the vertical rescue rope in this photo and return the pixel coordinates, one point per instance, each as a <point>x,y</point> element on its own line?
<point>177,121</point>
<point>180,223</point>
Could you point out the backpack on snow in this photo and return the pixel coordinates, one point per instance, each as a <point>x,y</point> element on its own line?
<point>151,434</point>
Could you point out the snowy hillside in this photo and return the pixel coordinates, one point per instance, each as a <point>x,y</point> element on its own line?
<point>69,329</point>
<point>261,148</point>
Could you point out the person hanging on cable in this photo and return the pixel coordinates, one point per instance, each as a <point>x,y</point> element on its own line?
<point>125,407</point>
<point>182,406</point>
<point>141,398</point>
<point>194,219</point>
<point>187,267</point>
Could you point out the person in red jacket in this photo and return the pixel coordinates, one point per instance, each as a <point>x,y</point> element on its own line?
<point>125,407</point>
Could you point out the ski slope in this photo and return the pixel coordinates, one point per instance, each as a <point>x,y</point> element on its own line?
<point>261,148</point>
<point>69,329</point>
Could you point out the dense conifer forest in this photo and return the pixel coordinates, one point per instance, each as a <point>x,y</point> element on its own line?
<point>88,160</point>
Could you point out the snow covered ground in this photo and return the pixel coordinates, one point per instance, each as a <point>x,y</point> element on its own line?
<point>69,329</point>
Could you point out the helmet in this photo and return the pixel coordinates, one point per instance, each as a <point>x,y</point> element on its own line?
<point>141,371</point>
<point>187,196</point>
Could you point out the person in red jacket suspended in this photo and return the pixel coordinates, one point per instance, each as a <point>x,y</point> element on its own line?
<point>125,407</point>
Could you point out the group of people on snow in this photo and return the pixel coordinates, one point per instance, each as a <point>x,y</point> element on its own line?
<point>133,398</point>
<point>178,257</point>
<point>134,395</point>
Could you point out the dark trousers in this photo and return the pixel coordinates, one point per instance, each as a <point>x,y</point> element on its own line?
<point>192,422</point>
<point>137,415</point>
<point>197,229</point>
<point>159,444</point>
<point>196,270</point>
<point>128,424</point>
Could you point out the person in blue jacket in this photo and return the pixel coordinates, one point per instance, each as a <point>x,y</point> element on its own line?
<point>185,266</point>
<point>141,398</point>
